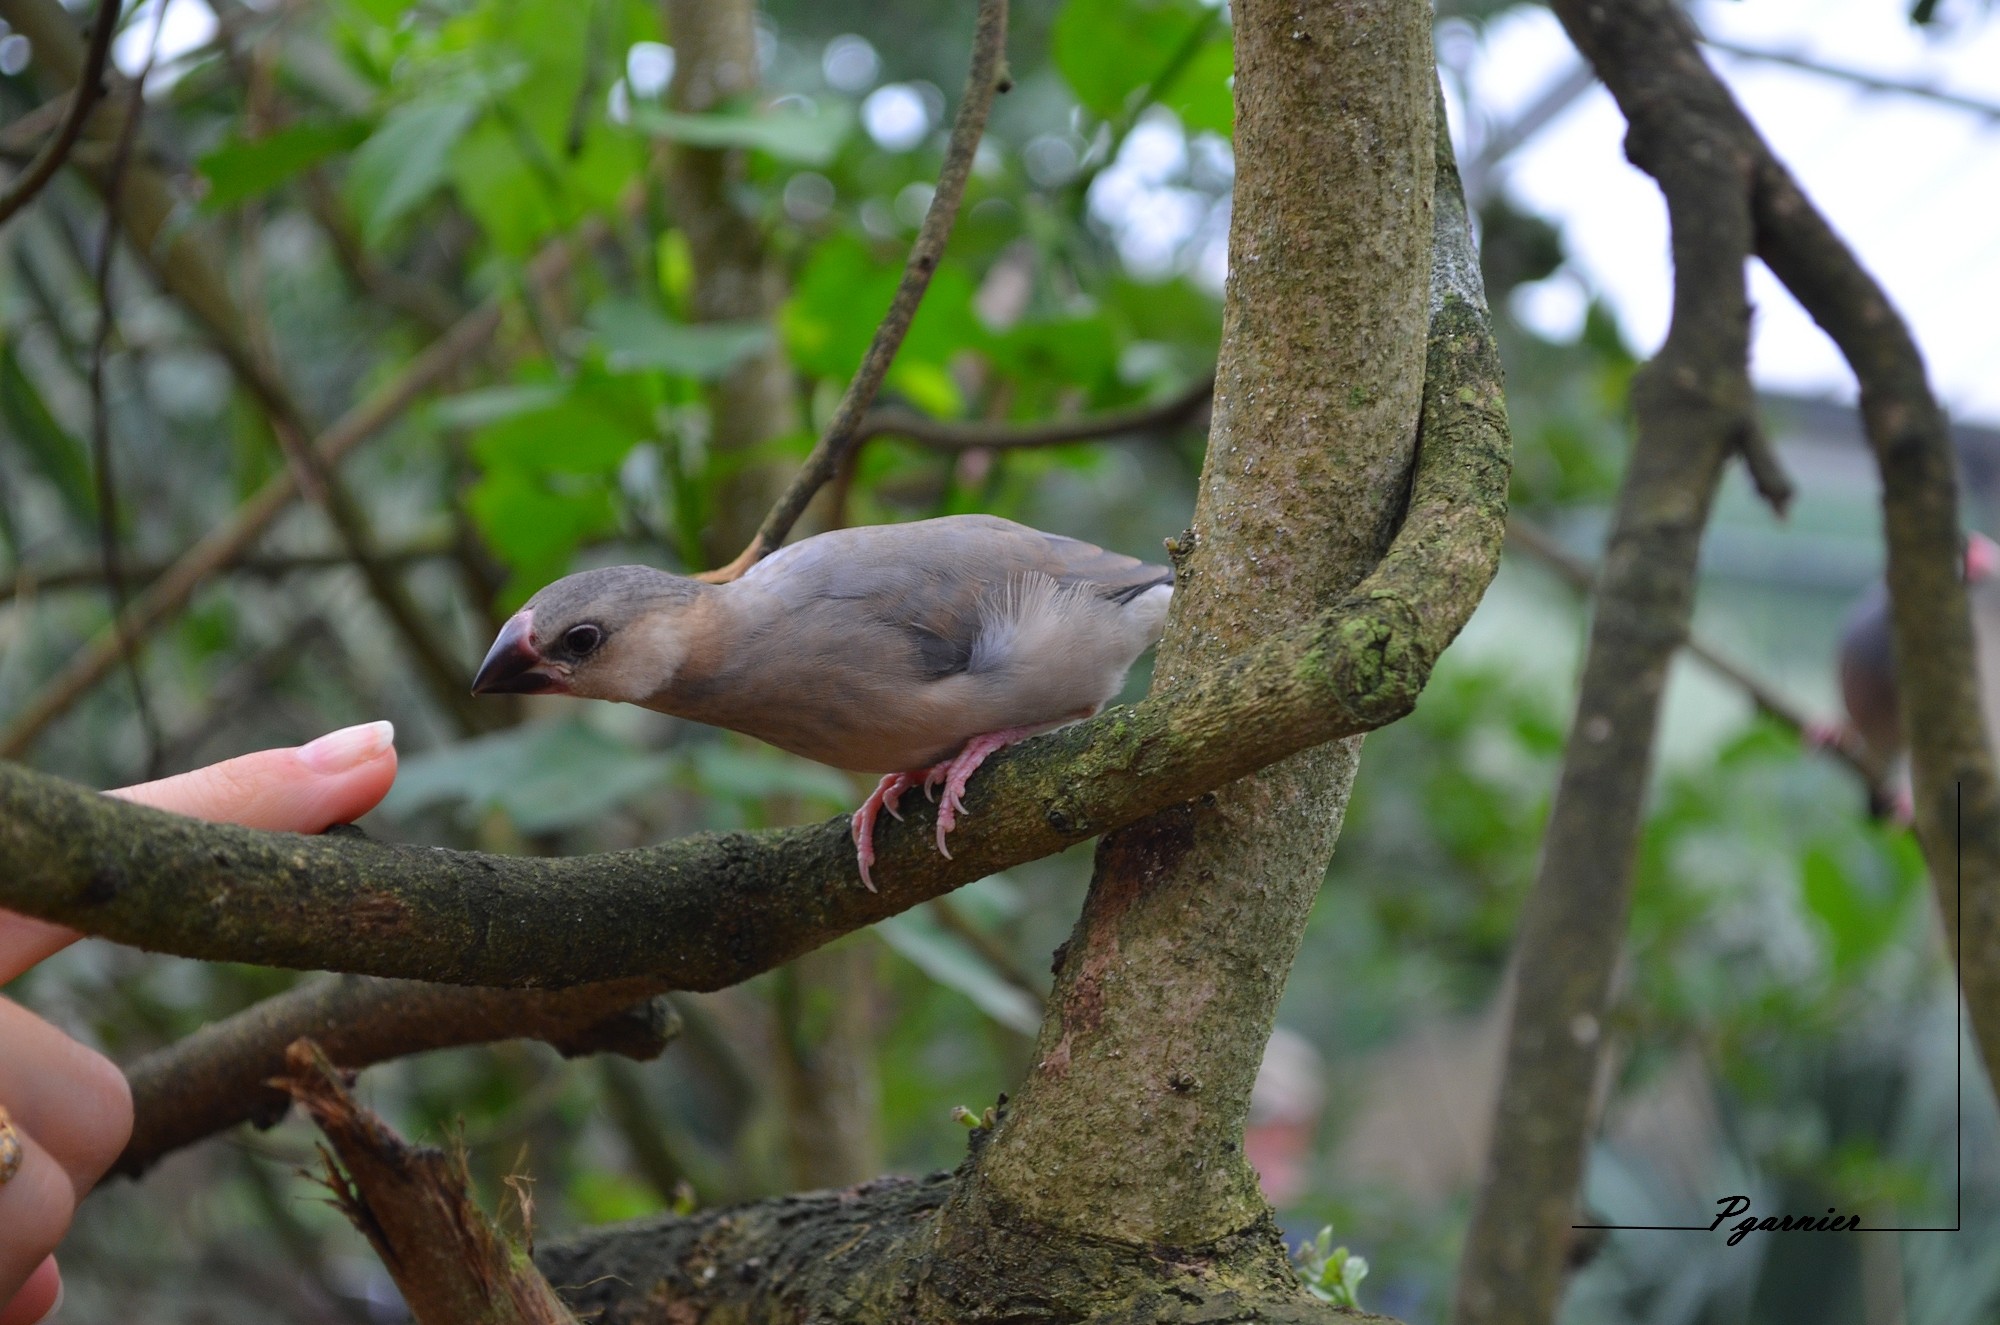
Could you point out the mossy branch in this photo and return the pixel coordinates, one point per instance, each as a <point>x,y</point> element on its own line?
<point>714,909</point>
<point>708,911</point>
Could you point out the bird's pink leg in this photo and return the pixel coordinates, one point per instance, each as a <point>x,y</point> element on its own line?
<point>887,792</point>
<point>1825,734</point>
<point>958,770</point>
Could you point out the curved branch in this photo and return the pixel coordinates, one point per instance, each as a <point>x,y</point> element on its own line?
<point>1183,407</point>
<point>1957,798</point>
<point>987,77</point>
<point>714,909</point>
<point>220,1076</point>
<point>88,89</point>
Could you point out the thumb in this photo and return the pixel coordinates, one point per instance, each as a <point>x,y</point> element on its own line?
<point>339,777</point>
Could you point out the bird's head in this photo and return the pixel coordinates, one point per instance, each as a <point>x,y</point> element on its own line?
<point>1982,558</point>
<point>615,634</point>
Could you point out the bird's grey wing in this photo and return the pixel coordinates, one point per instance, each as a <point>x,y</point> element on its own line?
<point>935,581</point>
<point>1868,675</point>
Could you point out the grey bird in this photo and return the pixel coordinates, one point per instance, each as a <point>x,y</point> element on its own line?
<point>1867,663</point>
<point>910,650</point>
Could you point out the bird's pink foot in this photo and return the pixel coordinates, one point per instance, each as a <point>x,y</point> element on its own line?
<point>1822,734</point>
<point>952,774</point>
<point>887,792</point>
<point>955,772</point>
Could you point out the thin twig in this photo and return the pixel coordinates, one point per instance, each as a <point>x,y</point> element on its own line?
<point>29,582</point>
<point>1581,576</point>
<point>88,88</point>
<point>954,435</point>
<point>129,647</point>
<point>987,77</point>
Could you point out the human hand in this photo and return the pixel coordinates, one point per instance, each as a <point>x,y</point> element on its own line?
<point>70,1107</point>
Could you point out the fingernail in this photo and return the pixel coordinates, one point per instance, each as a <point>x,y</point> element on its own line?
<point>336,752</point>
<point>55,1308</point>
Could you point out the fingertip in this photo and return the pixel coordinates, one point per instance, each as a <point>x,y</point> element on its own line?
<point>38,1299</point>
<point>360,789</point>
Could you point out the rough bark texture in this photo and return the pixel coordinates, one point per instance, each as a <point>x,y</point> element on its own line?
<point>1248,682</point>
<point>1130,1124</point>
<point>716,908</point>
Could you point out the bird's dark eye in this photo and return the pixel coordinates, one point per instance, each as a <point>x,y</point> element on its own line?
<point>580,641</point>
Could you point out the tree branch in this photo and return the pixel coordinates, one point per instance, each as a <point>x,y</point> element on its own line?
<point>1582,577</point>
<point>1726,195</point>
<point>987,77</point>
<point>1691,405</point>
<point>220,1076</point>
<point>1957,799</point>
<point>711,910</point>
<point>1181,408</point>
<point>82,98</point>
<point>415,1207</point>
<point>28,581</point>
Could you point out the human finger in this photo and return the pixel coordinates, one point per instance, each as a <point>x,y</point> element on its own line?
<point>335,779</point>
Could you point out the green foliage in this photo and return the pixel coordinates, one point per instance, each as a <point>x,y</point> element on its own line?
<point>1118,54</point>
<point>1780,943</point>
<point>405,160</point>
<point>544,777</point>
<point>635,338</point>
<point>807,136</point>
<point>240,169</point>
<point>57,456</point>
<point>1331,1274</point>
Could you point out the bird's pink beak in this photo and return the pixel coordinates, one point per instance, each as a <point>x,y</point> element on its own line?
<point>1982,558</point>
<point>512,666</point>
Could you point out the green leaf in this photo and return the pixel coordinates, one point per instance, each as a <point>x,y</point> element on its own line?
<point>1114,52</point>
<point>544,776</point>
<point>843,292</point>
<point>249,168</point>
<point>950,961</point>
<point>405,160</point>
<point>59,456</point>
<point>635,338</point>
<point>808,138</point>
<point>536,523</point>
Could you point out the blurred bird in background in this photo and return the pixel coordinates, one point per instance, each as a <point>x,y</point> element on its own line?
<point>910,650</point>
<point>1867,665</point>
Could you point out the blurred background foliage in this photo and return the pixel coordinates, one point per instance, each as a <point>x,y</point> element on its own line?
<point>369,169</point>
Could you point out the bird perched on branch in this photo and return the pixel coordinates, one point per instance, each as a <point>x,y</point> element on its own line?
<point>1867,663</point>
<point>910,650</point>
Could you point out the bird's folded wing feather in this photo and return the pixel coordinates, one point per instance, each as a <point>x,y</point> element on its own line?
<point>938,581</point>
